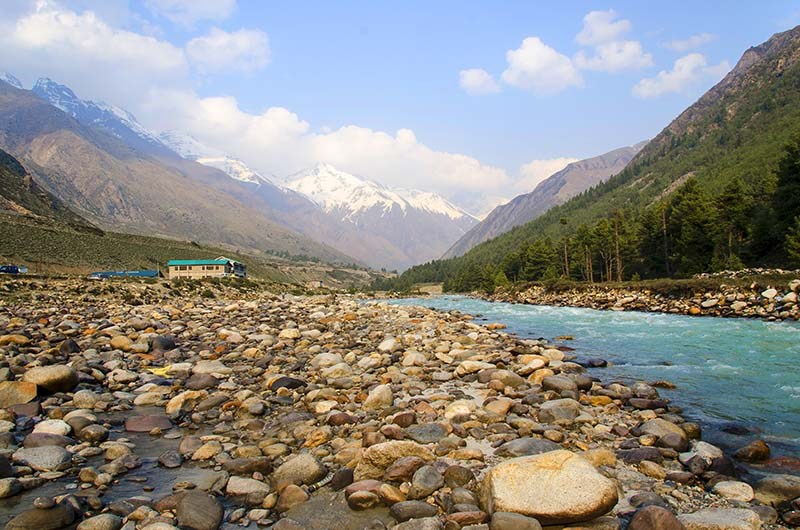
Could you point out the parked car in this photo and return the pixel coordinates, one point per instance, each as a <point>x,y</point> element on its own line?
<point>13,269</point>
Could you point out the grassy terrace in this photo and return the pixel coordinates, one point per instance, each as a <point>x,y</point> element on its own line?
<point>53,248</point>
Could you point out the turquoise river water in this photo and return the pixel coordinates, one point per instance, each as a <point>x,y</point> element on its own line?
<point>729,372</point>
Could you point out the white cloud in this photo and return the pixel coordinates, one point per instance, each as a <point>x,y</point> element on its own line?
<point>685,74</point>
<point>477,81</point>
<point>690,43</point>
<point>151,78</point>
<point>535,171</point>
<point>600,27</point>
<point>84,51</point>
<point>611,53</point>
<point>245,50</point>
<point>189,12</point>
<point>537,67</point>
<point>615,57</point>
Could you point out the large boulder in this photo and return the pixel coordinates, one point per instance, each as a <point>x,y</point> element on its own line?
<point>557,487</point>
<point>59,516</point>
<point>53,378</point>
<point>721,519</point>
<point>377,458</point>
<point>775,489</point>
<point>46,458</point>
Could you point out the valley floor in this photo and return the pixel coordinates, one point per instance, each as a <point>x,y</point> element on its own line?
<point>165,408</point>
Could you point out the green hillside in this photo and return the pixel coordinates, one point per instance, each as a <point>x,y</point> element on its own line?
<point>713,190</point>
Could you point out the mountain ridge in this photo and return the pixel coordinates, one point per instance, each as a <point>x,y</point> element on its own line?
<point>554,190</point>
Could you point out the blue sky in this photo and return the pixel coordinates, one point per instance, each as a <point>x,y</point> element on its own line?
<point>375,87</point>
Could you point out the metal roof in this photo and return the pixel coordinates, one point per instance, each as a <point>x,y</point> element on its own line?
<point>174,262</point>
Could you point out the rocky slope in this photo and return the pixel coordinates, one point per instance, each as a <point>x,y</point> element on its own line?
<point>311,413</point>
<point>557,189</point>
<point>21,195</point>
<point>139,187</point>
<point>421,225</point>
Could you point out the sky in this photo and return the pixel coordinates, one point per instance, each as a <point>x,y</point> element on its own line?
<point>478,101</point>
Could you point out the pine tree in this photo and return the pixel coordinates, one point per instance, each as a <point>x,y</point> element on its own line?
<point>792,244</point>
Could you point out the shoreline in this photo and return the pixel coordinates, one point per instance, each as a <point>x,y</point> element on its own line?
<point>391,413</point>
<point>728,301</point>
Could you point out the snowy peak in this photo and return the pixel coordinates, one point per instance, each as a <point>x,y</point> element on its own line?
<point>234,168</point>
<point>11,80</point>
<point>351,196</point>
<point>191,148</point>
<point>187,146</point>
<point>119,122</point>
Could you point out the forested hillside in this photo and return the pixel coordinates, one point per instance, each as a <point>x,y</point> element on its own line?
<point>716,189</point>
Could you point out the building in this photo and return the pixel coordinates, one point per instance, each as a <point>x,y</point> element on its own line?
<point>221,267</point>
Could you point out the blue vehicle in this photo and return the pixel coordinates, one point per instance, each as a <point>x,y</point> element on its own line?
<point>105,275</point>
<point>13,269</point>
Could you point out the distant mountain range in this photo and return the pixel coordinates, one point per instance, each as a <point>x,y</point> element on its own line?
<point>556,189</point>
<point>105,165</point>
<point>107,168</point>
<point>419,224</point>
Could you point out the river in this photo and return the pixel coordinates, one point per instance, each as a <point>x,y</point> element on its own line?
<point>730,373</point>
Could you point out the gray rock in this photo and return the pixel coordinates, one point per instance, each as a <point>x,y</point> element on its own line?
<point>721,519</point>
<point>775,489</point>
<point>526,447</point>
<point>301,469</point>
<point>559,383</point>
<point>426,433</point>
<point>9,487</point>
<point>199,511</point>
<point>105,521</point>
<point>426,480</point>
<point>559,410</point>
<point>513,521</point>
<point>170,459</point>
<point>48,458</point>
<point>55,518</point>
<point>427,523</point>
<point>403,511</point>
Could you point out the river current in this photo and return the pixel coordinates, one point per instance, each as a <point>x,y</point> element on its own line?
<point>732,375</point>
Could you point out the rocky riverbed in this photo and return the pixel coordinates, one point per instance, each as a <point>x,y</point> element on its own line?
<point>148,407</point>
<point>778,302</point>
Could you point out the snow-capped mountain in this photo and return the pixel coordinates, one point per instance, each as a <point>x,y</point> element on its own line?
<point>11,80</point>
<point>417,223</point>
<point>190,148</point>
<point>119,122</point>
<point>354,198</point>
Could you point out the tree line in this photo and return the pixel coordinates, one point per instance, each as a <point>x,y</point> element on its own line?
<point>686,231</point>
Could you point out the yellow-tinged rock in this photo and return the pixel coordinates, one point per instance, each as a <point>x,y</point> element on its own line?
<point>598,401</point>
<point>600,457</point>
<point>20,340</point>
<point>537,376</point>
<point>557,487</point>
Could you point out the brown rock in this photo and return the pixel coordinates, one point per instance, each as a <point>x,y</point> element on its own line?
<point>655,517</point>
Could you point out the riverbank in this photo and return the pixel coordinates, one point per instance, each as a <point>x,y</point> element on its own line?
<point>772,299</point>
<point>250,409</point>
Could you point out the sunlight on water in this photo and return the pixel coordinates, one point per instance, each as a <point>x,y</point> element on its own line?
<point>725,369</point>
